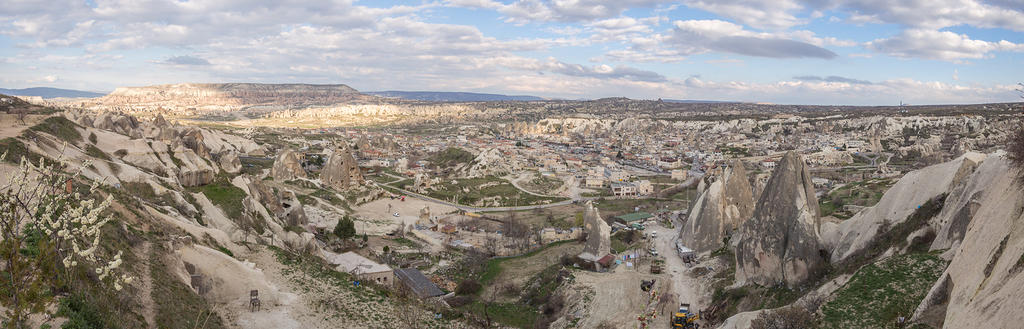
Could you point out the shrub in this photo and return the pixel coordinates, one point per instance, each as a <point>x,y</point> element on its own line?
<point>468,287</point>
<point>345,228</point>
<point>786,318</point>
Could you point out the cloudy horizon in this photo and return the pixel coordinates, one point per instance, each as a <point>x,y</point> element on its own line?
<point>857,52</point>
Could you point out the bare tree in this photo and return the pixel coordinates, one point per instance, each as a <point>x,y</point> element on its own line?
<point>20,113</point>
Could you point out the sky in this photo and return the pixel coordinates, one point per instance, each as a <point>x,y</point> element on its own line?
<point>857,52</point>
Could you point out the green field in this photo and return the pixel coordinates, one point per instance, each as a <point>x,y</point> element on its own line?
<point>471,191</point>
<point>865,193</point>
<point>885,290</point>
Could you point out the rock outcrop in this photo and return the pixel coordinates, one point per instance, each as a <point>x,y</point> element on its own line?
<point>964,201</point>
<point>265,196</point>
<point>900,201</point>
<point>489,162</point>
<point>720,210</point>
<point>230,163</point>
<point>780,243</point>
<point>985,279</point>
<point>341,170</point>
<point>287,166</point>
<point>192,169</point>
<point>294,214</point>
<point>598,232</point>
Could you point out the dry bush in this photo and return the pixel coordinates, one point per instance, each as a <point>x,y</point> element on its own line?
<point>785,318</point>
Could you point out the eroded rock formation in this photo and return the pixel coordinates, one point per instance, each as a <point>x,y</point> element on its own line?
<point>230,163</point>
<point>287,166</point>
<point>726,204</point>
<point>341,170</point>
<point>598,234</point>
<point>780,243</point>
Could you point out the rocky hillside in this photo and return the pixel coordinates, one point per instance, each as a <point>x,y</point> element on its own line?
<point>953,227</point>
<point>227,96</point>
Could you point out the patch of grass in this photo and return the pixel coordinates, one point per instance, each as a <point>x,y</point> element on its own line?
<point>515,315</point>
<point>493,266</point>
<point>145,191</point>
<point>406,242</point>
<point>451,157</point>
<point>475,190</point>
<point>883,290</point>
<point>226,251</point>
<point>255,166</point>
<point>177,162</point>
<point>865,194</point>
<point>95,152</point>
<point>625,240</point>
<point>59,127</point>
<point>16,150</point>
<point>330,197</point>
<point>80,314</point>
<point>177,305</point>
<point>224,195</point>
<point>893,236</point>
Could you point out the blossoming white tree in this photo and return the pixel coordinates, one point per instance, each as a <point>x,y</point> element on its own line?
<point>47,227</point>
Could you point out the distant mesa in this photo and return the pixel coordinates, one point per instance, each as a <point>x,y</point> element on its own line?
<point>47,93</point>
<point>233,94</point>
<point>443,96</point>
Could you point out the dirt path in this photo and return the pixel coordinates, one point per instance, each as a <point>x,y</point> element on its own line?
<point>146,286</point>
<point>685,287</point>
<point>618,300</point>
<point>10,126</point>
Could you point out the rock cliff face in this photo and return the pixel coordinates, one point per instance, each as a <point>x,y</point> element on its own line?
<point>193,170</point>
<point>780,243</point>
<point>341,170</point>
<point>725,205</point>
<point>900,201</point>
<point>982,286</point>
<point>230,163</point>
<point>265,196</point>
<point>287,166</point>
<point>599,234</point>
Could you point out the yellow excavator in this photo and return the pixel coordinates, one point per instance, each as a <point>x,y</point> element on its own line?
<point>685,319</point>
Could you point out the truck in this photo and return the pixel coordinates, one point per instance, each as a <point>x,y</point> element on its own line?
<point>685,318</point>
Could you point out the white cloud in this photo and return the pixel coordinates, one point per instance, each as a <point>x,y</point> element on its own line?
<point>523,11</point>
<point>935,14</point>
<point>762,14</point>
<point>940,45</point>
<point>701,36</point>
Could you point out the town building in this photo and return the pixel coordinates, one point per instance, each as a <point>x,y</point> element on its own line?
<point>413,283</point>
<point>362,268</point>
